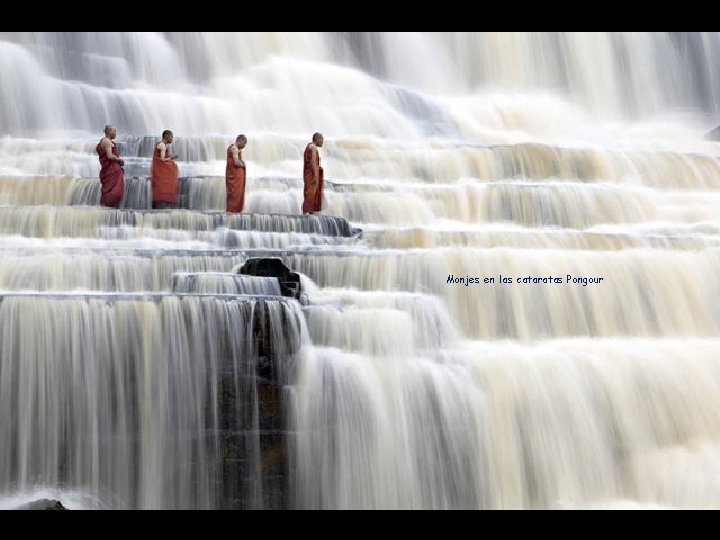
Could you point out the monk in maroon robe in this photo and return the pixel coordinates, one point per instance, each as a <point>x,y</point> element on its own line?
<point>112,174</point>
<point>312,176</point>
<point>164,174</point>
<point>235,175</point>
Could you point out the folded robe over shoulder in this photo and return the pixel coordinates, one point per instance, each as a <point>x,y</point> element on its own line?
<point>312,191</point>
<point>112,177</point>
<point>164,179</point>
<point>234,183</point>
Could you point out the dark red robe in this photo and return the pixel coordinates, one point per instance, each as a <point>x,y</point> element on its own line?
<point>164,179</point>
<point>234,183</point>
<point>112,177</point>
<point>313,190</point>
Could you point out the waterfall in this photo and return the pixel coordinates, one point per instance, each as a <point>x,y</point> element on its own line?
<point>136,398</point>
<point>508,299</point>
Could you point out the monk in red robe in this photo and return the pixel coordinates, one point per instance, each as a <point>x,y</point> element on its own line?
<point>312,176</point>
<point>112,174</point>
<point>164,174</point>
<point>235,175</point>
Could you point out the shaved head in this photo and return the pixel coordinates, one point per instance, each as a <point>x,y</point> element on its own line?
<point>110,131</point>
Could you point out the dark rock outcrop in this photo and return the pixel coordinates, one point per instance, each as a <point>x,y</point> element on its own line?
<point>272,267</point>
<point>42,504</point>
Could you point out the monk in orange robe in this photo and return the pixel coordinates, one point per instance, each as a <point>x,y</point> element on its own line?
<point>164,174</point>
<point>112,174</point>
<point>235,175</point>
<point>312,176</point>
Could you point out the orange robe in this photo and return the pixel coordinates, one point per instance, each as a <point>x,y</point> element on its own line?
<point>164,179</point>
<point>234,183</point>
<point>112,177</point>
<point>312,191</point>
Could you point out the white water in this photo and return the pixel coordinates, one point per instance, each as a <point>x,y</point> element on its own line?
<point>480,155</point>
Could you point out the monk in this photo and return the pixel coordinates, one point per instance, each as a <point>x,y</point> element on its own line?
<point>164,174</point>
<point>312,176</point>
<point>235,175</point>
<point>112,174</point>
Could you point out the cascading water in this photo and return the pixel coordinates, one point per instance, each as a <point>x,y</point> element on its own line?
<point>138,369</point>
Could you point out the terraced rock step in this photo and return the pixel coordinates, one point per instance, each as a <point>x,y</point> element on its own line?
<point>225,283</point>
<point>44,222</point>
